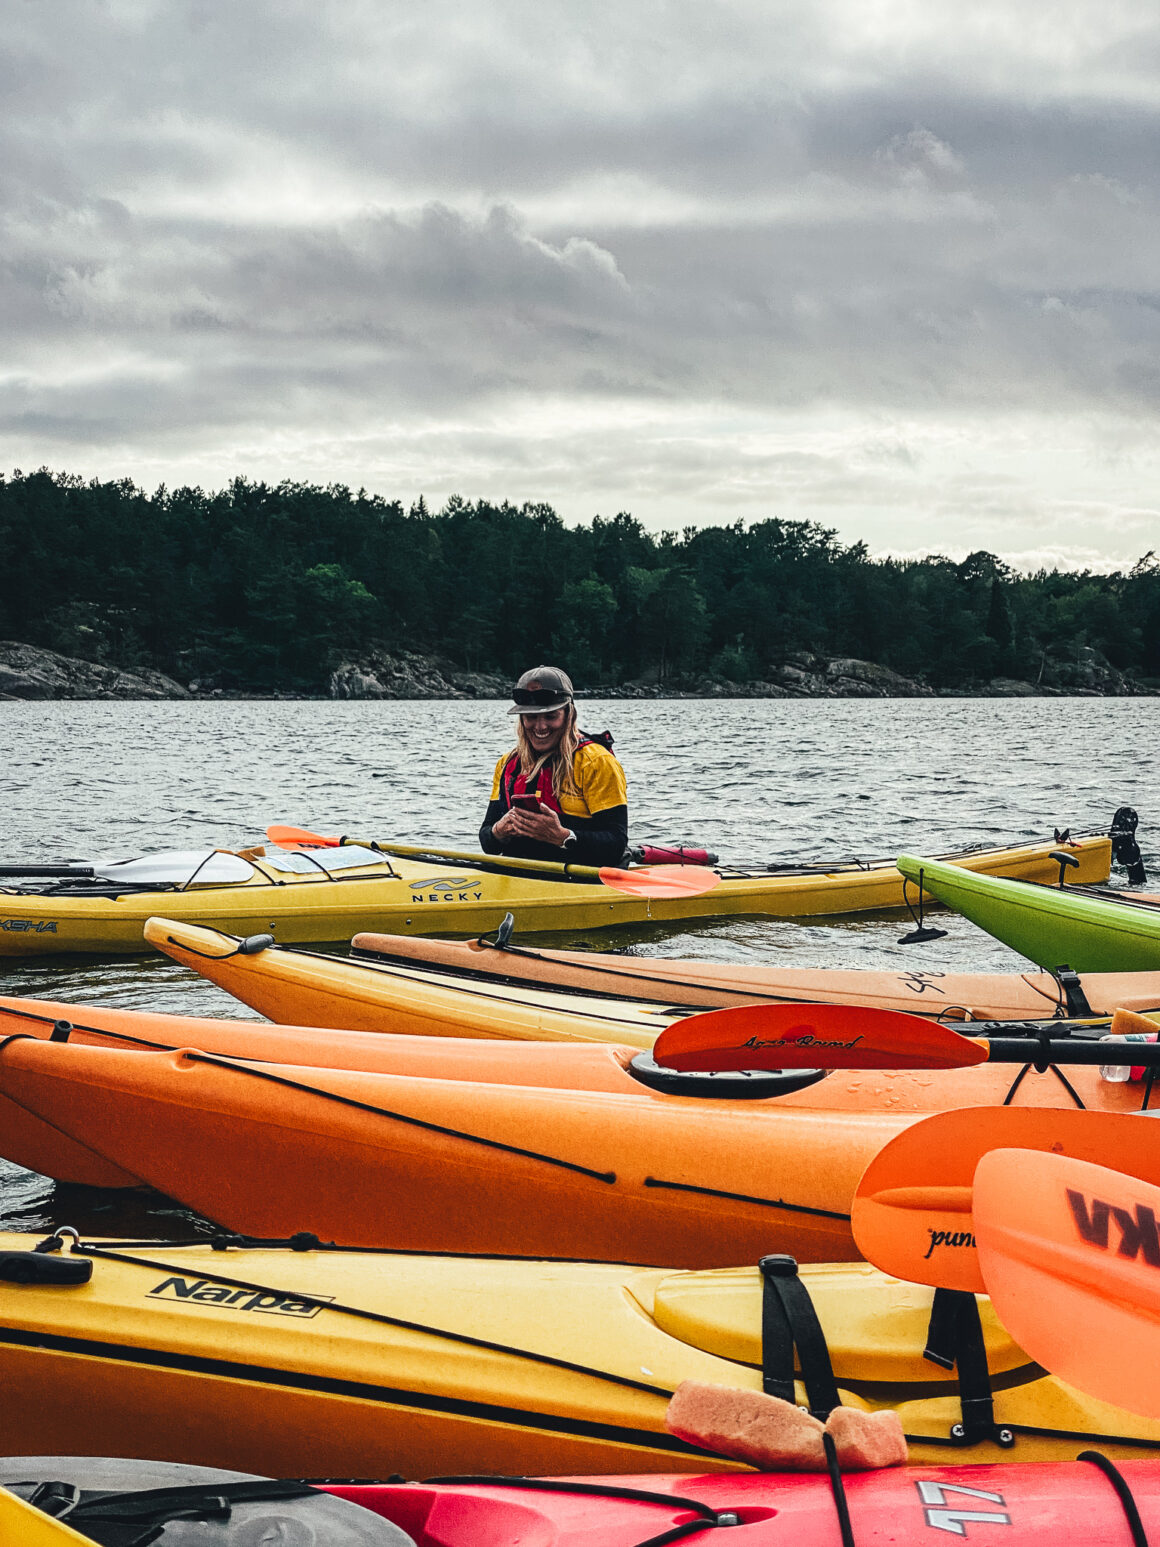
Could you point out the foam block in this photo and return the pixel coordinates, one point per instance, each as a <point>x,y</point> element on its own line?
<point>776,1436</point>
<point>1128,1022</point>
<point>866,1441</point>
<point>747,1425</point>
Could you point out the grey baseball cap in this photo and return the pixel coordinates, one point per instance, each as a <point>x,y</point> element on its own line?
<point>541,690</point>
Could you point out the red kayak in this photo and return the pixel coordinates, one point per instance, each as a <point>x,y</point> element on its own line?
<point>1090,1502</point>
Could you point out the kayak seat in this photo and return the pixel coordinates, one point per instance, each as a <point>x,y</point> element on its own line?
<point>740,1084</point>
<point>876,1327</point>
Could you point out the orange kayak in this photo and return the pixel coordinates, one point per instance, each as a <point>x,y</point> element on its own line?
<point>988,996</point>
<point>437,1165</point>
<point>31,1142</point>
<point>601,1066</point>
<point>568,1066</point>
<point>447,1152</point>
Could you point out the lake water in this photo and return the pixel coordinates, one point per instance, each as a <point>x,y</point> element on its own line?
<point>756,779</point>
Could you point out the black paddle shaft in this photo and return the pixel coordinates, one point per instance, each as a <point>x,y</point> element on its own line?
<point>1071,1050</point>
<point>84,872</point>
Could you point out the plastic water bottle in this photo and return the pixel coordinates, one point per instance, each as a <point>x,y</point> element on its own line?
<point>1117,1074</point>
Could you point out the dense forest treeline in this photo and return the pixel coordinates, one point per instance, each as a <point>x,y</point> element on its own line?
<point>269,588</point>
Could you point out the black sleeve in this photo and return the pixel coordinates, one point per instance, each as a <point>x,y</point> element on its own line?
<point>600,839</point>
<point>490,845</point>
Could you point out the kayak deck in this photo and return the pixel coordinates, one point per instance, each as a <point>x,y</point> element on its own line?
<point>611,979</point>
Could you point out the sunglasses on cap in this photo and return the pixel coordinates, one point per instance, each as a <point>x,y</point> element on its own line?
<point>539,698</point>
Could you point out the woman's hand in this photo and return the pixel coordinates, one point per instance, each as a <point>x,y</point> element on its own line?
<point>505,827</point>
<point>543,825</point>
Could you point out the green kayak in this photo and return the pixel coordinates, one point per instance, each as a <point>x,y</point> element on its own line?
<point>1054,926</point>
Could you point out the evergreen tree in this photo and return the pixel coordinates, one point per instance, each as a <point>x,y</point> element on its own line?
<point>267,587</point>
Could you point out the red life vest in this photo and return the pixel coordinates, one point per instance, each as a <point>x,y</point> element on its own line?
<point>543,786</point>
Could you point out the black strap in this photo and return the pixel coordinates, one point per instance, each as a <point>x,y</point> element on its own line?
<point>136,1518</point>
<point>776,1342</point>
<point>789,1321</point>
<point>1120,1483</point>
<point>1125,849</point>
<point>1069,981</point>
<point>55,1498</point>
<point>975,1397</point>
<point>1149,1081</point>
<point>942,1330</point>
<point>955,1339</point>
<point>838,1489</point>
<point>191,1502</point>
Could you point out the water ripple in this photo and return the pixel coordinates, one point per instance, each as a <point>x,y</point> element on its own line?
<point>758,780</point>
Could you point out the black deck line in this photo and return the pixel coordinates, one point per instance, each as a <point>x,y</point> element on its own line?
<point>393,1396</point>
<point>742,1197</point>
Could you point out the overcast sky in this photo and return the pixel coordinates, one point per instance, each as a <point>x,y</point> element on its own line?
<point>892,265</point>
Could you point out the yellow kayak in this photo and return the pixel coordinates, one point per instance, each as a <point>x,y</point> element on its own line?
<point>22,1525</point>
<point>308,988</point>
<point>388,990</point>
<point>331,894</point>
<point>316,1362</point>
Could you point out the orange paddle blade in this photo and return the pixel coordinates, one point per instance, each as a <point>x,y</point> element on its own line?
<point>912,1212</point>
<point>661,880</point>
<point>812,1036</point>
<point>1070,1254</point>
<point>299,838</point>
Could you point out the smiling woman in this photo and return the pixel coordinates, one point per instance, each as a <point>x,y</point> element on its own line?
<point>560,794</point>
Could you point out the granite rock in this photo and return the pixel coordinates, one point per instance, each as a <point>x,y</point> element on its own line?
<point>29,672</point>
<point>378,674</point>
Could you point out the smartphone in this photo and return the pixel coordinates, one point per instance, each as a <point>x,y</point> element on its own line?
<point>526,802</point>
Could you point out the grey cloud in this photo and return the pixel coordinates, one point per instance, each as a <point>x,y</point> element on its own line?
<point>437,307</point>
<point>514,99</point>
<point>419,310</point>
<point>257,225</point>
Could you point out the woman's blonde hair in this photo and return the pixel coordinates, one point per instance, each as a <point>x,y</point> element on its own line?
<point>561,758</point>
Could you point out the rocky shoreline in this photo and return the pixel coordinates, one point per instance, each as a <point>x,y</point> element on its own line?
<point>27,672</point>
